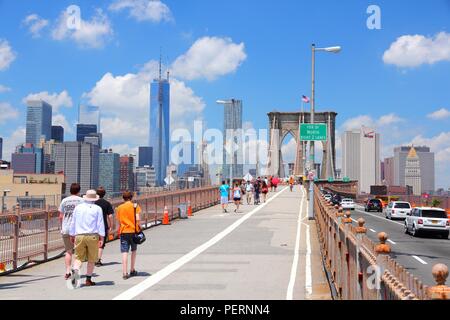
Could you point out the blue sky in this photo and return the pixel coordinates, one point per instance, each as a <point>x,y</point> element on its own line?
<point>396,78</point>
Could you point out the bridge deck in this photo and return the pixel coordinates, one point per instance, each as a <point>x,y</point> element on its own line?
<point>247,255</point>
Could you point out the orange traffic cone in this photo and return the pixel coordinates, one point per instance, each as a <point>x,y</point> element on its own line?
<point>189,209</point>
<point>165,221</point>
<point>2,267</point>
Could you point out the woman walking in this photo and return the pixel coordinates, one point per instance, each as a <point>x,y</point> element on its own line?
<point>264,190</point>
<point>237,195</point>
<point>129,224</point>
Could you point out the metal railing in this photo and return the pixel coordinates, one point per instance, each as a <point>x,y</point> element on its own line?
<point>362,270</point>
<point>32,237</point>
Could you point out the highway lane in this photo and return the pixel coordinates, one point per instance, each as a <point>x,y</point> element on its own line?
<point>417,255</point>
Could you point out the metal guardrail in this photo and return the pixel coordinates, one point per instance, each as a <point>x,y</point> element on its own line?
<point>363,270</point>
<point>31,237</point>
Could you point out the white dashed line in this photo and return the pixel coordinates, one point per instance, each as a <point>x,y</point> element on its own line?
<point>390,241</point>
<point>372,230</point>
<point>420,260</point>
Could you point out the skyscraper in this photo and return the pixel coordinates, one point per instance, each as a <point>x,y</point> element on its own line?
<point>94,138</point>
<point>361,157</point>
<point>28,159</point>
<point>39,121</point>
<point>159,128</point>
<point>83,130</point>
<point>89,115</point>
<point>232,132</point>
<point>186,157</point>
<point>412,172</point>
<point>427,169</point>
<point>109,171</point>
<point>145,156</point>
<point>58,134</point>
<point>389,171</point>
<point>80,163</point>
<point>1,148</point>
<point>127,173</point>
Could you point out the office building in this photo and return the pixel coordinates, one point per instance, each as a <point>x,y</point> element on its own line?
<point>145,177</point>
<point>159,128</point>
<point>361,157</point>
<point>145,156</point>
<point>427,169</point>
<point>58,134</point>
<point>89,115</point>
<point>28,159</point>
<point>388,171</point>
<point>84,130</point>
<point>94,138</point>
<point>127,173</point>
<point>1,148</point>
<point>109,172</point>
<point>79,161</point>
<point>39,121</point>
<point>412,172</point>
<point>232,132</point>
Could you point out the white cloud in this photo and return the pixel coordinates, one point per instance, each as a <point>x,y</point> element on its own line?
<point>389,119</point>
<point>7,112</point>
<point>144,10</point>
<point>4,89</point>
<point>10,143</point>
<point>439,114</point>
<point>209,58</point>
<point>415,50</point>
<point>7,56</point>
<point>35,24</point>
<point>91,34</point>
<point>124,149</point>
<point>57,100</point>
<point>60,120</point>
<point>367,121</point>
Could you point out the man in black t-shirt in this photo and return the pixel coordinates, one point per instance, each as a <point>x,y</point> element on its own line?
<point>108,212</point>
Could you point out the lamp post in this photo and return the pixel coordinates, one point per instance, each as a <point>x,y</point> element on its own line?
<point>311,144</point>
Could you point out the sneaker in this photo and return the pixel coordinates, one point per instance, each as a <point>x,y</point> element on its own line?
<point>125,276</point>
<point>133,273</point>
<point>67,276</point>
<point>99,263</point>
<point>225,210</point>
<point>75,279</point>
<point>89,283</point>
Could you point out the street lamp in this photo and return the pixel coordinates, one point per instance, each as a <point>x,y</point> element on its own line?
<point>335,49</point>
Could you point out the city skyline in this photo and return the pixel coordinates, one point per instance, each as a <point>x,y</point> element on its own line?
<point>407,101</point>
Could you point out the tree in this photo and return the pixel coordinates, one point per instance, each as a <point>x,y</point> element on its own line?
<point>435,203</point>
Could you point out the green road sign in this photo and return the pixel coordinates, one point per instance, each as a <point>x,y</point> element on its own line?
<point>313,132</point>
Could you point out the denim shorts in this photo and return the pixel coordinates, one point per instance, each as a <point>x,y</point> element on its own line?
<point>126,242</point>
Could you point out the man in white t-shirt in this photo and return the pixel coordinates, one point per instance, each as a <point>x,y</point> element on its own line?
<point>66,209</point>
<point>249,191</point>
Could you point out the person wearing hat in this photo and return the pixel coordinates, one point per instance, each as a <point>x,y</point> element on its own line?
<point>87,231</point>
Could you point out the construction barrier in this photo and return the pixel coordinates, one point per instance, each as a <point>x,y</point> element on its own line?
<point>362,270</point>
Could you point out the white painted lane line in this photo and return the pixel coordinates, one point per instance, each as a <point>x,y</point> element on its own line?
<point>372,230</point>
<point>390,241</point>
<point>163,273</point>
<point>420,260</point>
<point>290,290</point>
<point>308,281</point>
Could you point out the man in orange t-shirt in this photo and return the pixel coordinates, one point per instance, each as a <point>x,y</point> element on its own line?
<point>129,224</point>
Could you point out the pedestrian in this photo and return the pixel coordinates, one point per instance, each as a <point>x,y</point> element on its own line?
<point>65,218</point>
<point>108,212</point>
<point>271,184</point>
<point>275,182</point>
<point>237,195</point>
<point>128,217</point>
<point>224,190</point>
<point>291,183</point>
<point>264,190</point>
<point>249,190</point>
<point>87,232</point>
<point>257,190</point>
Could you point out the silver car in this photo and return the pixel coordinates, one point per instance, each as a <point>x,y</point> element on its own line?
<point>348,204</point>
<point>397,210</point>
<point>427,219</point>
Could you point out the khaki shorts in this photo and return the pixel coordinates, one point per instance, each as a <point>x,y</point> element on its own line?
<point>86,248</point>
<point>68,245</point>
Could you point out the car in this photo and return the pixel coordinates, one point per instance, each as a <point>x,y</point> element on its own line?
<point>336,200</point>
<point>328,196</point>
<point>397,209</point>
<point>426,219</point>
<point>373,205</point>
<point>348,204</point>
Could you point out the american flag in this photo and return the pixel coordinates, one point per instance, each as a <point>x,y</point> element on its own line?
<point>305,99</point>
